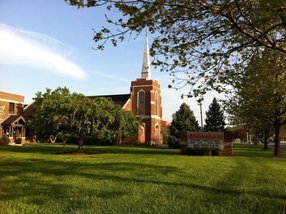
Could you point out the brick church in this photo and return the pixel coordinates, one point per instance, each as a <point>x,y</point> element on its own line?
<point>144,100</point>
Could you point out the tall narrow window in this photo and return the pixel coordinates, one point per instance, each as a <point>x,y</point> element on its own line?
<point>156,103</point>
<point>141,106</point>
<point>11,108</point>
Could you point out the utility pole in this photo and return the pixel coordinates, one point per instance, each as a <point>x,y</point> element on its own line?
<point>201,112</point>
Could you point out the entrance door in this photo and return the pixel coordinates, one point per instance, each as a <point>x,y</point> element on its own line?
<point>157,134</point>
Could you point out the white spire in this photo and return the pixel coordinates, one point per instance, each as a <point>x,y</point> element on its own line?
<point>146,71</point>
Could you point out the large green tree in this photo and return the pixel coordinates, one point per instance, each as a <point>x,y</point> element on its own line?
<point>198,42</point>
<point>261,93</point>
<point>182,120</point>
<point>51,117</point>
<point>60,112</point>
<point>215,120</point>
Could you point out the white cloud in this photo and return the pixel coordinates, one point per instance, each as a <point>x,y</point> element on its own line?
<point>112,77</point>
<point>19,47</point>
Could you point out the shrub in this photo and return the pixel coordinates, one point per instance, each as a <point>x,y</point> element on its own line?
<point>174,142</point>
<point>206,151</point>
<point>199,152</point>
<point>4,140</point>
<point>216,152</point>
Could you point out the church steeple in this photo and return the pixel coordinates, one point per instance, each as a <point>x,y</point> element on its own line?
<point>146,71</point>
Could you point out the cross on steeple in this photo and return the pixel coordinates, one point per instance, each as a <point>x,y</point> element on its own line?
<point>146,71</point>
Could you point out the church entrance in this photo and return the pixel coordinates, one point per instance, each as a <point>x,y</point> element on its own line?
<point>14,127</point>
<point>157,135</point>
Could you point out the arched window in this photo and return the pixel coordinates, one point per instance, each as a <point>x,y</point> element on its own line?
<point>141,103</point>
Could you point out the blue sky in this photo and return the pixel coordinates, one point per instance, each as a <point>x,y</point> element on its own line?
<point>47,44</point>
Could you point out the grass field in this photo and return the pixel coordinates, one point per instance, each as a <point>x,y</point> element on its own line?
<point>42,179</point>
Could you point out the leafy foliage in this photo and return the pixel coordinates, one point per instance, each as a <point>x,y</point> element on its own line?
<point>4,140</point>
<point>125,124</point>
<point>259,99</point>
<point>214,121</point>
<point>200,43</point>
<point>73,115</point>
<point>51,114</point>
<point>183,120</point>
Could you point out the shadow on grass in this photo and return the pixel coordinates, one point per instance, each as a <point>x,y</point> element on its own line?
<point>72,149</point>
<point>75,182</point>
<point>254,151</point>
<point>239,150</point>
<point>107,172</point>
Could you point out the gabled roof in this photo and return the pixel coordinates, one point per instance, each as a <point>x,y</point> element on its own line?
<point>119,99</point>
<point>29,111</point>
<point>12,119</point>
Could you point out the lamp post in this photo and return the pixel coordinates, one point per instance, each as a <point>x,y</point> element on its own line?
<point>201,112</point>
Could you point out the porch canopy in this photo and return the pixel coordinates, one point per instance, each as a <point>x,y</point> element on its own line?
<point>14,127</point>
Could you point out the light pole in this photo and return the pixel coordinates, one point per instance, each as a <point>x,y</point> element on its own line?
<point>201,112</point>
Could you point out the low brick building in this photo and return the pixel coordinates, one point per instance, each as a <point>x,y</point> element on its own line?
<point>12,123</point>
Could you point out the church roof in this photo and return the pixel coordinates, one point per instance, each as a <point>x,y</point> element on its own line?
<point>119,99</point>
<point>29,111</point>
<point>11,119</point>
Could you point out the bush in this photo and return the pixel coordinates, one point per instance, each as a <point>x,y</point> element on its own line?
<point>216,152</point>
<point>206,151</point>
<point>199,152</point>
<point>4,140</point>
<point>174,142</point>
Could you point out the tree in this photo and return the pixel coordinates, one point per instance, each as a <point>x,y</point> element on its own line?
<point>182,120</point>
<point>200,43</point>
<point>124,124</point>
<point>68,114</point>
<point>51,117</point>
<point>214,121</point>
<point>244,114</point>
<point>261,93</point>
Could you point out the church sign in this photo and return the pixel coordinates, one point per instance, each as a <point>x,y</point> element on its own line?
<point>205,140</point>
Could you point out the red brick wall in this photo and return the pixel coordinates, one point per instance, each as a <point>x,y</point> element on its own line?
<point>5,99</point>
<point>228,146</point>
<point>165,124</point>
<point>128,106</point>
<point>9,96</point>
<point>151,118</point>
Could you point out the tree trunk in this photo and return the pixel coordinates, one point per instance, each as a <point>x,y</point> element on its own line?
<point>266,136</point>
<point>53,138</point>
<point>277,141</point>
<point>80,144</point>
<point>64,142</point>
<point>256,139</point>
<point>118,139</point>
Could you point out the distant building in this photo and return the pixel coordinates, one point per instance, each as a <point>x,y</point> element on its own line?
<point>144,100</point>
<point>12,123</point>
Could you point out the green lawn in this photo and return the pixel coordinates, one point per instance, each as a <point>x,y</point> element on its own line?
<point>41,179</point>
